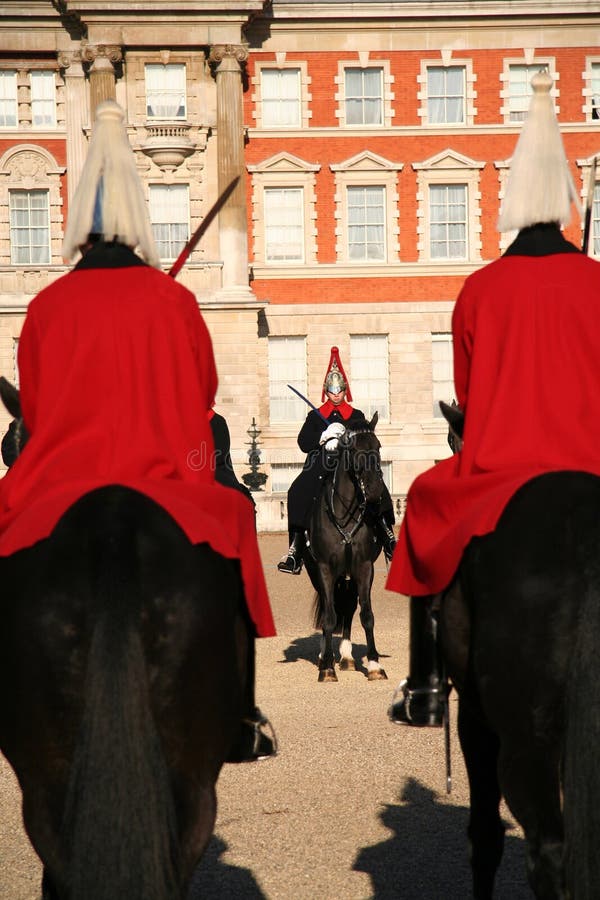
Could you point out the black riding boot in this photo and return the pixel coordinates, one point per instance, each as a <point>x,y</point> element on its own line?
<point>292,561</point>
<point>386,536</point>
<point>424,691</point>
<point>253,742</point>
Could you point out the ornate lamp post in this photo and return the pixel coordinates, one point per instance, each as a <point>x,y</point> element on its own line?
<point>254,479</point>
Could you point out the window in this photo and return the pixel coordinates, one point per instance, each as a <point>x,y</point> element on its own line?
<point>364,96</point>
<point>280,93</point>
<point>284,225</point>
<point>520,90</point>
<point>8,99</point>
<point>448,221</point>
<point>282,475</point>
<point>370,374</point>
<point>446,95</point>
<point>442,360</point>
<point>595,236</point>
<point>170,217</point>
<point>595,90</point>
<point>165,91</point>
<point>43,99</point>
<point>29,228</point>
<point>366,223</point>
<point>287,365</point>
<point>386,471</point>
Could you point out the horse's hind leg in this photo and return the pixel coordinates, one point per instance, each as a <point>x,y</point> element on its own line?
<point>346,601</point>
<point>485,831</point>
<point>529,775</point>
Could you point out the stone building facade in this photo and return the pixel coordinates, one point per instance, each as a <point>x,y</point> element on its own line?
<point>372,142</point>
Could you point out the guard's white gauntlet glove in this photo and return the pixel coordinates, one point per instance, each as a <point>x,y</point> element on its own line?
<point>331,436</point>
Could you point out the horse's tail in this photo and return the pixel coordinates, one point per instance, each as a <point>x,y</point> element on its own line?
<point>119,816</point>
<point>581,769</point>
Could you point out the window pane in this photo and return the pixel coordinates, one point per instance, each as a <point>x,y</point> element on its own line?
<point>43,99</point>
<point>29,227</point>
<point>8,99</point>
<point>448,221</point>
<point>165,91</point>
<point>369,364</point>
<point>366,223</point>
<point>596,221</point>
<point>520,90</point>
<point>364,96</point>
<point>287,365</point>
<point>446,94</point>
<point>170,218</point>
<point>595,89</point>
<point>280,98</point>
<point>442,360</point>
<point>284,224</point>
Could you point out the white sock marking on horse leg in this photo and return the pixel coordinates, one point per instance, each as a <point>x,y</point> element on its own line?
<point>345,649</point>
<point>322,650</point>
<point>371,665</point>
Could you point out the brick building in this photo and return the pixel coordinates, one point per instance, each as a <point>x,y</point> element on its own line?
<point>373,140</point>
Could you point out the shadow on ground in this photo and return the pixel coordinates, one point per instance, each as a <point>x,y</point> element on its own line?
<point>426,858</point>
<point>307,649</point>
<point>215,880</point>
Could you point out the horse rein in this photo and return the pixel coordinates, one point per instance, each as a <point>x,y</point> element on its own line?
<point>360,505</point>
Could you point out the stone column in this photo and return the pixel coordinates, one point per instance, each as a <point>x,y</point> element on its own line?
<point>102,72</point>
<point>228,60</point>
<point>76,115</point>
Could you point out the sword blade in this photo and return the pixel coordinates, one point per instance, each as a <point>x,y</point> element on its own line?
<point>210,215</point>
<point>312,405</point>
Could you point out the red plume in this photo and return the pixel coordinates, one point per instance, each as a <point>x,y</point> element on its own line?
<point>335,365</point>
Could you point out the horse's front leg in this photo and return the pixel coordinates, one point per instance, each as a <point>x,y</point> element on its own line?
<point>328,622</point>
<point>364,581</point>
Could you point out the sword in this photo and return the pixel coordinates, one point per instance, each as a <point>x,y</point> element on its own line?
<point>589,204</point>
<point>312,405</point>
<point>215,208</point>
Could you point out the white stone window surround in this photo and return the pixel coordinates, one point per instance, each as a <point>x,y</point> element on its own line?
<point>591,89</point>
<point>449,167</point>
<point>527,59</point>
<point>284,170</point>
<point>30,167</point>
<point>585,167</point>
<point>446,60</point>
<point>362,170</point>
<point>23,71</point>
<point>363,61</point>
<point>281,62</point>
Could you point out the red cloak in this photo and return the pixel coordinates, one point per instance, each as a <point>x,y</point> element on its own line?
<point>526,334</point>
<point>117,375</point>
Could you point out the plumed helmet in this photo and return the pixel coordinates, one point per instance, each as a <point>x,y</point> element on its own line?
<point>335,377</point>
<point>540,187</point>
<point>109,200</point>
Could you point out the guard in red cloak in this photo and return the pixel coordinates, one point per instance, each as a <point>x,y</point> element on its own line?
<point>319,436</point>
<point>116,368</point>
<point>526,335</point>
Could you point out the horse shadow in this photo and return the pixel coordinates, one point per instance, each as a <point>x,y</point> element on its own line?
<point>307,649</point>
<point>213,879</point>
<point>427,856</point>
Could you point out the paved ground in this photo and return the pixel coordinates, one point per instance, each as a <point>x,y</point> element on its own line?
<point>353,807</point>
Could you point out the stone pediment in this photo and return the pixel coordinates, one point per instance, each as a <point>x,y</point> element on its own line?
<point>284,162</point>
<point>448,159</point>
<point>367,162</point>
<point>30,162</point>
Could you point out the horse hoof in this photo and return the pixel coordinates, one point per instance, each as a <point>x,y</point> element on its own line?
<point>377,675</point>
<point>347,665</point>
<point>327,675</point>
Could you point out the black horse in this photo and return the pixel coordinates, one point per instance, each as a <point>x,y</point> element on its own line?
<point>342,548</point>
<point>122,675</point>
<point>520,630</point>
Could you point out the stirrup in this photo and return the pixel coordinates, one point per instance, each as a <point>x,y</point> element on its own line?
<point>255,744</point>
<point>289,563</point>
<point>422,707</point>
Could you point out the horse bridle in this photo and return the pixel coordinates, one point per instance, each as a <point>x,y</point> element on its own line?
<point>359,503</point>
